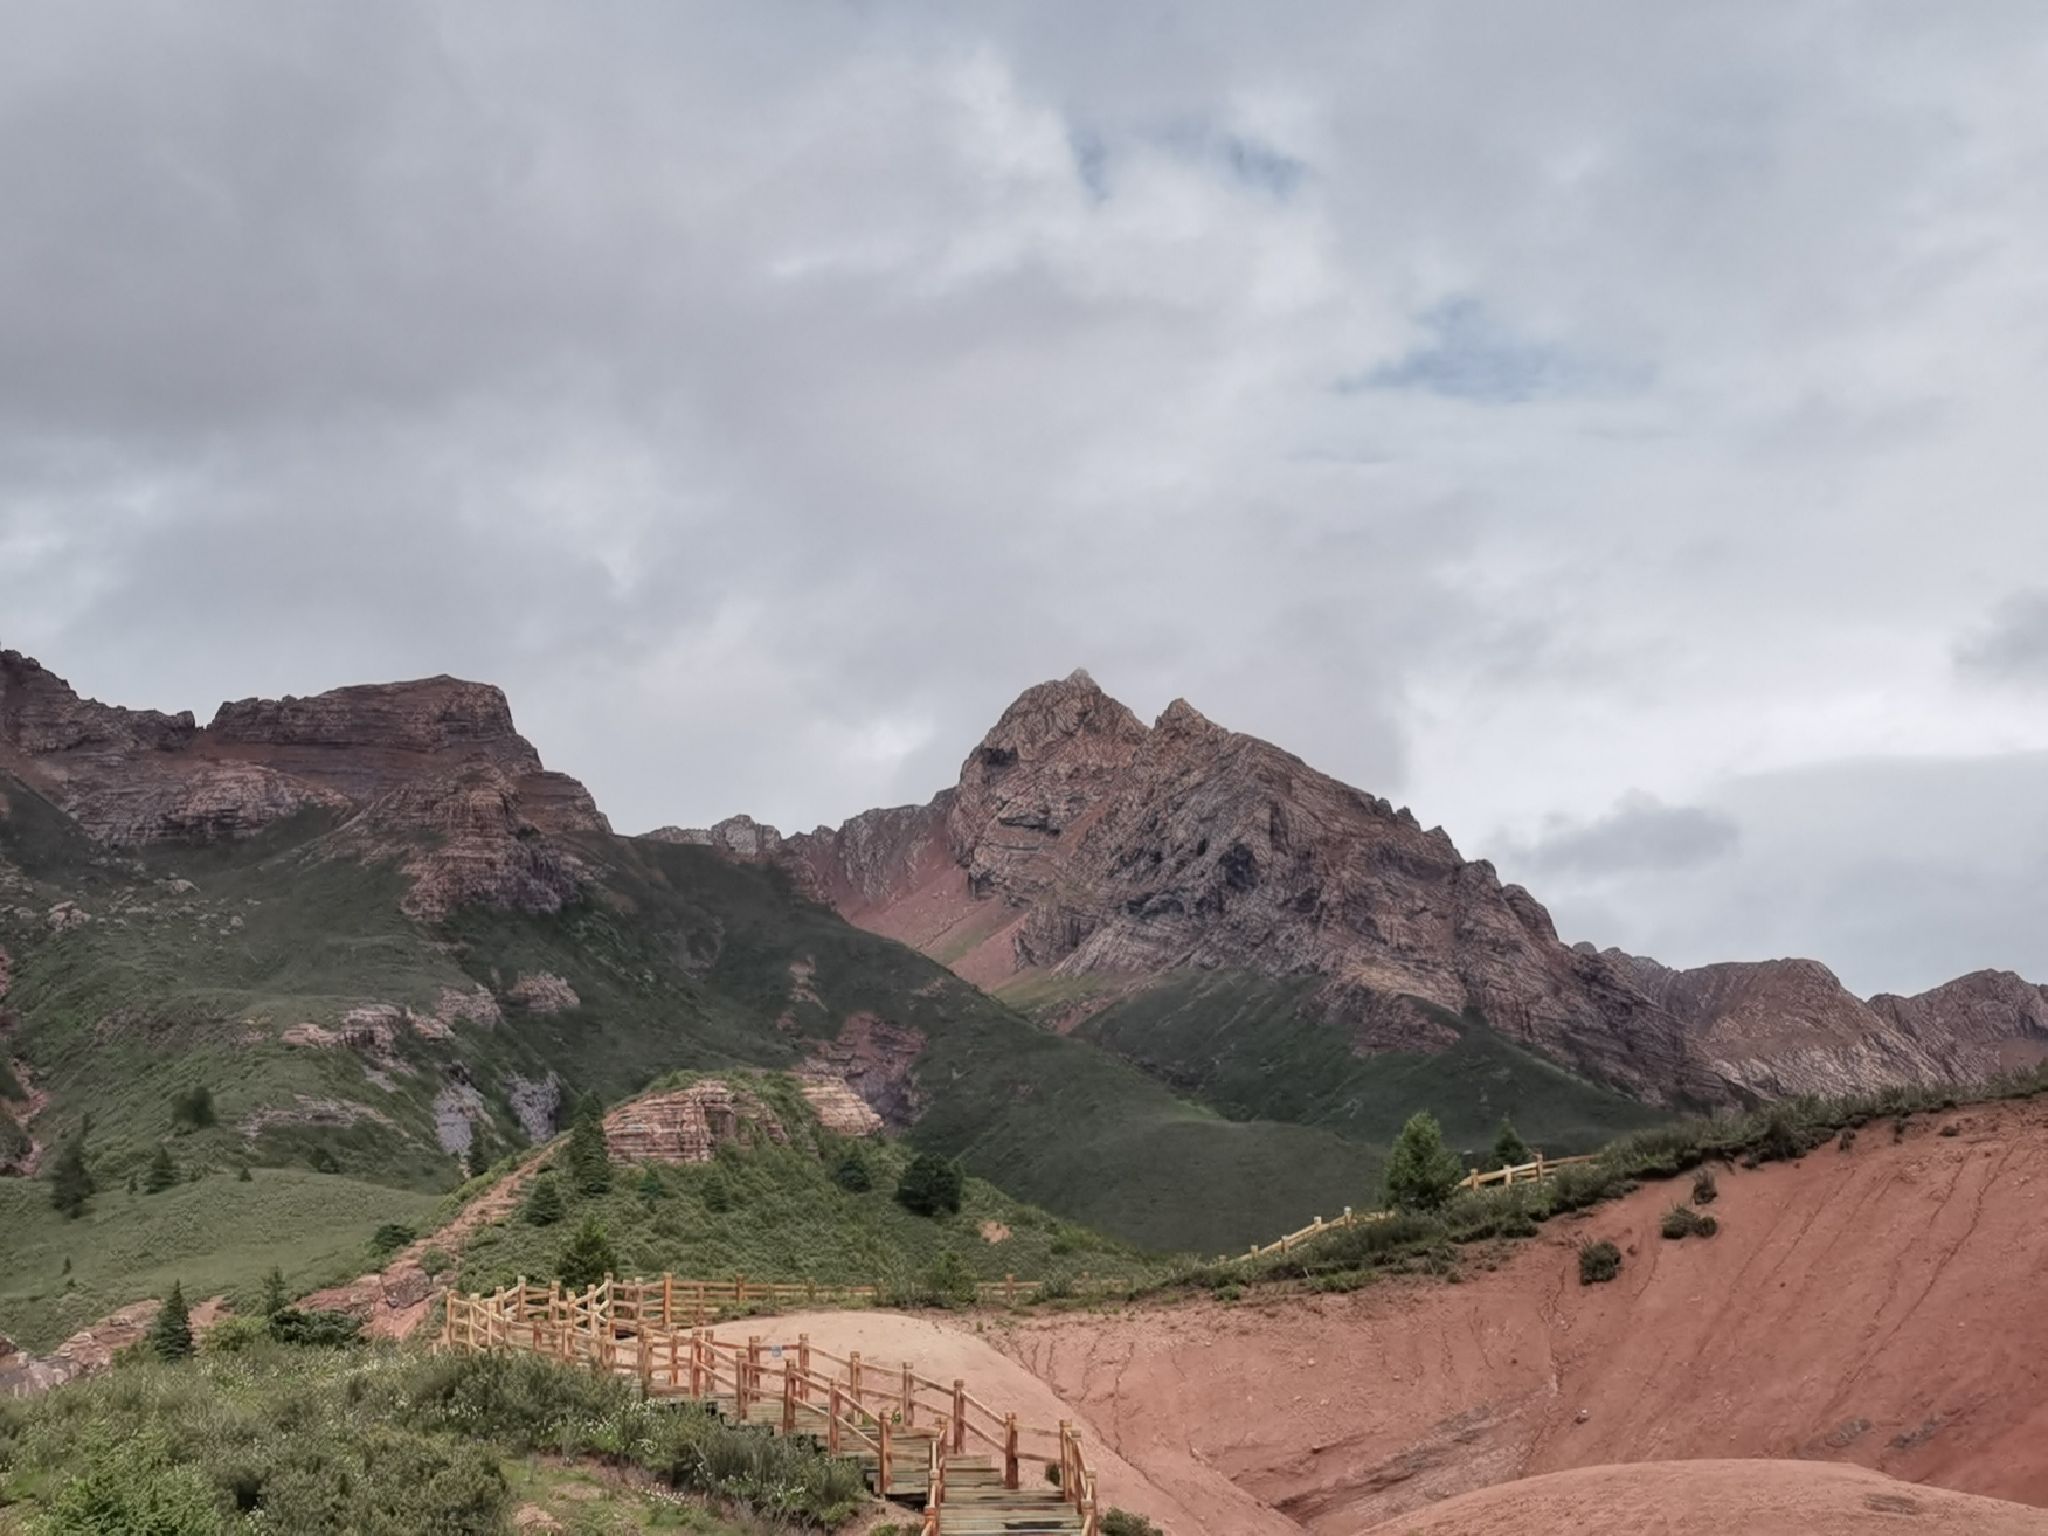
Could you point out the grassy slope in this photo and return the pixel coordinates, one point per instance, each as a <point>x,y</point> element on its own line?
<point>1244,1044</point>
<point>773,1212</point>
<point>218,1235</point>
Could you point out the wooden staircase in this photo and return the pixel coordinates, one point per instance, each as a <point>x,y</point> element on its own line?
<point>908,1433</point>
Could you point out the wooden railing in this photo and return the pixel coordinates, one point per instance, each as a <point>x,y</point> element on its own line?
<point>852,1406</point>
<point>1522,1173</point>
<point>674,1301</point>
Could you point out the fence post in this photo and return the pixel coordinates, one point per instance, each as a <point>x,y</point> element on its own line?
<point>668,1299</point>
<point>1009,1290</point>
<point>1010,1450</point>
<point>803,1365</point>
<point>788,1401</point>
<point>853,1376</point>
<point>959,1416</point>
<point>739,1291</point>
<point>832,1422</point>
<point>883,1469</point>
<point>909,1398</point>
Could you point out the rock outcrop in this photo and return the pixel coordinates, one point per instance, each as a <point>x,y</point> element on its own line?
<point>687,1125</point>
<point>1081,843</point>
<point>432,772</point>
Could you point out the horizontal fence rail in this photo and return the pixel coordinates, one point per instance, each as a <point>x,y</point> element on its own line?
<point>1521,1173</point>
<point>903,1425</point>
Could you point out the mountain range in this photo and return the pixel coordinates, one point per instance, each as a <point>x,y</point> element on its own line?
<point>1164,979</point>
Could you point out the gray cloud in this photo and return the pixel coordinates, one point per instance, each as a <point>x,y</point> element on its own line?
<point>2013,645</point>
<point>1640,835</point>
<point>763,396</point>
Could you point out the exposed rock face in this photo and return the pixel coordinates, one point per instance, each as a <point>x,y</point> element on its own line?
<point>1080,842</point>
<point>873,1059</point>
<point>436,761</point>
<point>739,837</point>
<point>687,1125</point>
<point>543,993</point>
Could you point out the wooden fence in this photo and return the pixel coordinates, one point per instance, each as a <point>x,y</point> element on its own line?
<point>1522,1173</point>
<point>902,1425</point>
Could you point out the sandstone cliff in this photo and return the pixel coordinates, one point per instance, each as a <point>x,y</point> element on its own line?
<point>1081,843</point>
<point>433,772</point>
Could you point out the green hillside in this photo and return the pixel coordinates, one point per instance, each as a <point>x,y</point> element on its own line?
<point>680,961</point>
<point>1246,1045</point>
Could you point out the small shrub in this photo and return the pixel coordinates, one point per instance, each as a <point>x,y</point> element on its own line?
<point>1706,1189</point>
<point>717,1194</point>
<point>1509,1150</point>
<point>322,1160</point>
<point>950,1282</point>
<point>1951,1129</point>
<point>931,1186</point>
<point>1847,1140</point>
<point>1121,1522</point>
<point>71,1185</point>
<point>851,1173</point>
<point>192,1110</point>
<point>1899,1128</point>
<point>1683,1221</point>
<point>391,1237</point>
<point>162,1173</point>
<point>436,1262</point>
<point>315,1329</point>
<point>590,1163</point>
<point>275,1297</point>
<point>244,1176</point>
<point>1598,1263</point>
<point>232,1335</point>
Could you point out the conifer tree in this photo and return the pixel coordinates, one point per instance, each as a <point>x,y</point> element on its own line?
<point>171,1336</point>
<point>590,1162</point>
<point>1421,1171</point>
<point>587,1258</point>
<point>1509,1150</point>
<point>71,1184</point>
<point>162,1174</point>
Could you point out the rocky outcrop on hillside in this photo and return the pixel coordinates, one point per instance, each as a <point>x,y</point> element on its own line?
<point>431,772</point>
<point>688,1125</point>
<point>1080,842</point>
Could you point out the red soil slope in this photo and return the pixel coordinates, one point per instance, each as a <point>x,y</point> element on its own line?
<point>1715,1498</point>
<point>1881,1306</point>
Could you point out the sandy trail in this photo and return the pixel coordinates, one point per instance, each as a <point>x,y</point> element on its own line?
<point>1879,1306</point>
<point>1715,1498</point>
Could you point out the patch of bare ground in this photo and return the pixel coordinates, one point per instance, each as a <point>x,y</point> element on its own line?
<point>1877,1307</point>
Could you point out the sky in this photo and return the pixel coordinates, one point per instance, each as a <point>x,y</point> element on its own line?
<point>1613,430</point>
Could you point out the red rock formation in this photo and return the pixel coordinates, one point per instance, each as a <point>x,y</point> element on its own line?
<point>687,1125</point>
<point>1080,842</point>
<point>874,1060</point>
<point>431,771</point>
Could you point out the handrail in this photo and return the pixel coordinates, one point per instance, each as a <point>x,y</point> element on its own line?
<point>1521,1173</point>
<point>870,1407</point>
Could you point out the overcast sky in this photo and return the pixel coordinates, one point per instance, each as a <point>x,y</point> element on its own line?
<point>1616,430</point>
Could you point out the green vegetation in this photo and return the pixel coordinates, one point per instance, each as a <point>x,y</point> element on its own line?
<point>1598,1262</point>
<point>590,1164</point>
<point>1422,1173</point>
<point>170,1336</point>
<point>587,1258</point>
<point>543,1206</point>
<point>162,1173</point>
<point>372,1442</point>
<point>780,1212</point>
<point>192,1110</point>
<point>218,1236</point>
<point>1683,1221</point>
<point>71,1184</point>
<point>1257,1048</point>
<point>1706,1189</point>
<point>1121,1522</point>
<point>931,1186</point>
<point>1509,1150</point>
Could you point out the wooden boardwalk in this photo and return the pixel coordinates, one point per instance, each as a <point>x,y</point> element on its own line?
<point>973,1471</point>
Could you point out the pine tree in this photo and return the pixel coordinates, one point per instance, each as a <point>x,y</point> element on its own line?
<point>590,1162</point>
<point>275,1297</point>
<point>1509,1150</point>
<point>543,1202</point>
<point>1421,1171</point>
<point>587,1258</point>
<point>171,1337</point>
<point>162,1174</point>
<point>71,1183</point>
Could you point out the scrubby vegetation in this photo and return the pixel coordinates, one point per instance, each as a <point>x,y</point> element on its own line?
<point>1598,1262</point>
<point>1683,1221</point>
<point>370,1442</point>
<point>1422,1172</point>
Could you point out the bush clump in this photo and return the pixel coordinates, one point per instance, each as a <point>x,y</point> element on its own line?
<point>543,1206</point>
<point>1598,1262</point>
<point>1682,1221</point>
<point>931,1186</point>
<point>1706,1189</point>
<point>1121,1522</point>
<point>314,1328</point>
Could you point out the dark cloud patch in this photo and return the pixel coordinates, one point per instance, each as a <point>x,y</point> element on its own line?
<point>1641,834</point>
<point>2012,647</point>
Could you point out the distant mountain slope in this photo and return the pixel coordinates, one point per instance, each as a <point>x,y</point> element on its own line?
<point>386,938</point>
<point>1084,860</point>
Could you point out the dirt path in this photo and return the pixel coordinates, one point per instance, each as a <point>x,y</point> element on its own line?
<point>1715,1498</point>
<point>1880,1307</point>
